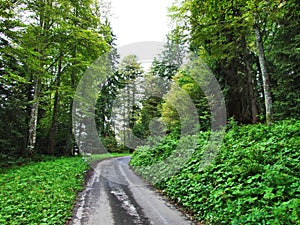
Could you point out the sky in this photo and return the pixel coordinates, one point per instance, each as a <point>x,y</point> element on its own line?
<point>140,20</point>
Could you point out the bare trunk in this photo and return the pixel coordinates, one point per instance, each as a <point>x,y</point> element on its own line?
<point>254,111</point>
<point>27,121</point>
<point>70,142</point>
<point>52,131</point>
<point>33,120</point>
<point>265,76</point>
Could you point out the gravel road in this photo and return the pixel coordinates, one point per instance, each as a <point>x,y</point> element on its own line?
<point>116,195</point>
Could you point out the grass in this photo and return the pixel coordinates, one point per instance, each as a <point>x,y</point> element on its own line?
<point>97,157</point>
<point>42,192</point>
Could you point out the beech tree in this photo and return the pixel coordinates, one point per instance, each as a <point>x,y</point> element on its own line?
<point>49,51</point>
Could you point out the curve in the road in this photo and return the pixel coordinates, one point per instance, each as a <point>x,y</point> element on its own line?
<point>116,195</point>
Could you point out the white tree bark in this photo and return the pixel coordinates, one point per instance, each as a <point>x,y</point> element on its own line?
<point>265,76</point>
<point>33,120</point>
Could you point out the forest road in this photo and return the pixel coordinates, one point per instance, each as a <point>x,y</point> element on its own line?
<point>116,195</point>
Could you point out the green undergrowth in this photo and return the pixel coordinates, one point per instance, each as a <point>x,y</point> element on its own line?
<point>8,161</point>
<point>254,179</point>
<point>42,192</point>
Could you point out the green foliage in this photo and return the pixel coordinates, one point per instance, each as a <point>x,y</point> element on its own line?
<point>185,86</point>
<point>149,154</point>
<point>285,62</point>
<point>41,193</point>
<point>253,180</point>
<point>111,144</point>
<point>45,48</point>
<point>118,101</point>
<point>150,109</point>
<point>9,161</point>
<point>222,33</point>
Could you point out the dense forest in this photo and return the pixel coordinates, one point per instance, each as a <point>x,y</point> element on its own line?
<point>45,48</point>
<point>251,48</point>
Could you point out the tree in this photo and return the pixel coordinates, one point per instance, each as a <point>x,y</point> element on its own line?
<point>218,36</point>
<point>88,40</point>
<point>13,90</point>
<point>156,83</point>
<point>225,35</point>
<point>187,98</point>
<point>34,47</point>
<point>105,101</point>
<point>261,14</point>
<point>153,88</point>
<point>285,61</point>
<point>118,101</point>
<point>44,58</point>
<point>170,60</point>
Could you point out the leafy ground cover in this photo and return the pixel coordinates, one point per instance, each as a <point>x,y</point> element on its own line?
<point>255,178</point>
<point>42,192</point>
<point>8,161</point>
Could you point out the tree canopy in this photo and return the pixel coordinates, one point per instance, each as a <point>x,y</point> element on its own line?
<point>252,47</point>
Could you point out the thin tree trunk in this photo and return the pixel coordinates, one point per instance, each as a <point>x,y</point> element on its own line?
<point>71,137</point>
<point>43,26</point>
<point>265,76</point>
<point>33,120</point>
<point>70,140</point>
<point>53,126</point>
<point>254,111</point>
<point>27,121</point>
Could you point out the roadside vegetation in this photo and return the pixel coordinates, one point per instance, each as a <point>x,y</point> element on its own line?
<point>251,48</point>
<point>42,192</point>
<point>253,180</point>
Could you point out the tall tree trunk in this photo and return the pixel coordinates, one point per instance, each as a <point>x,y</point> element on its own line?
<point>27,120</point>
<point>44,25</point>
<point>53,126</point>
<point>70,140</point>
<point>33,120</point>
<point>265,76</point>
<point>254,111</point>
<point>70,137</point>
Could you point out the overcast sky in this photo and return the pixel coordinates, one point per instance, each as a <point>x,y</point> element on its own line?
<point>140,20</point>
